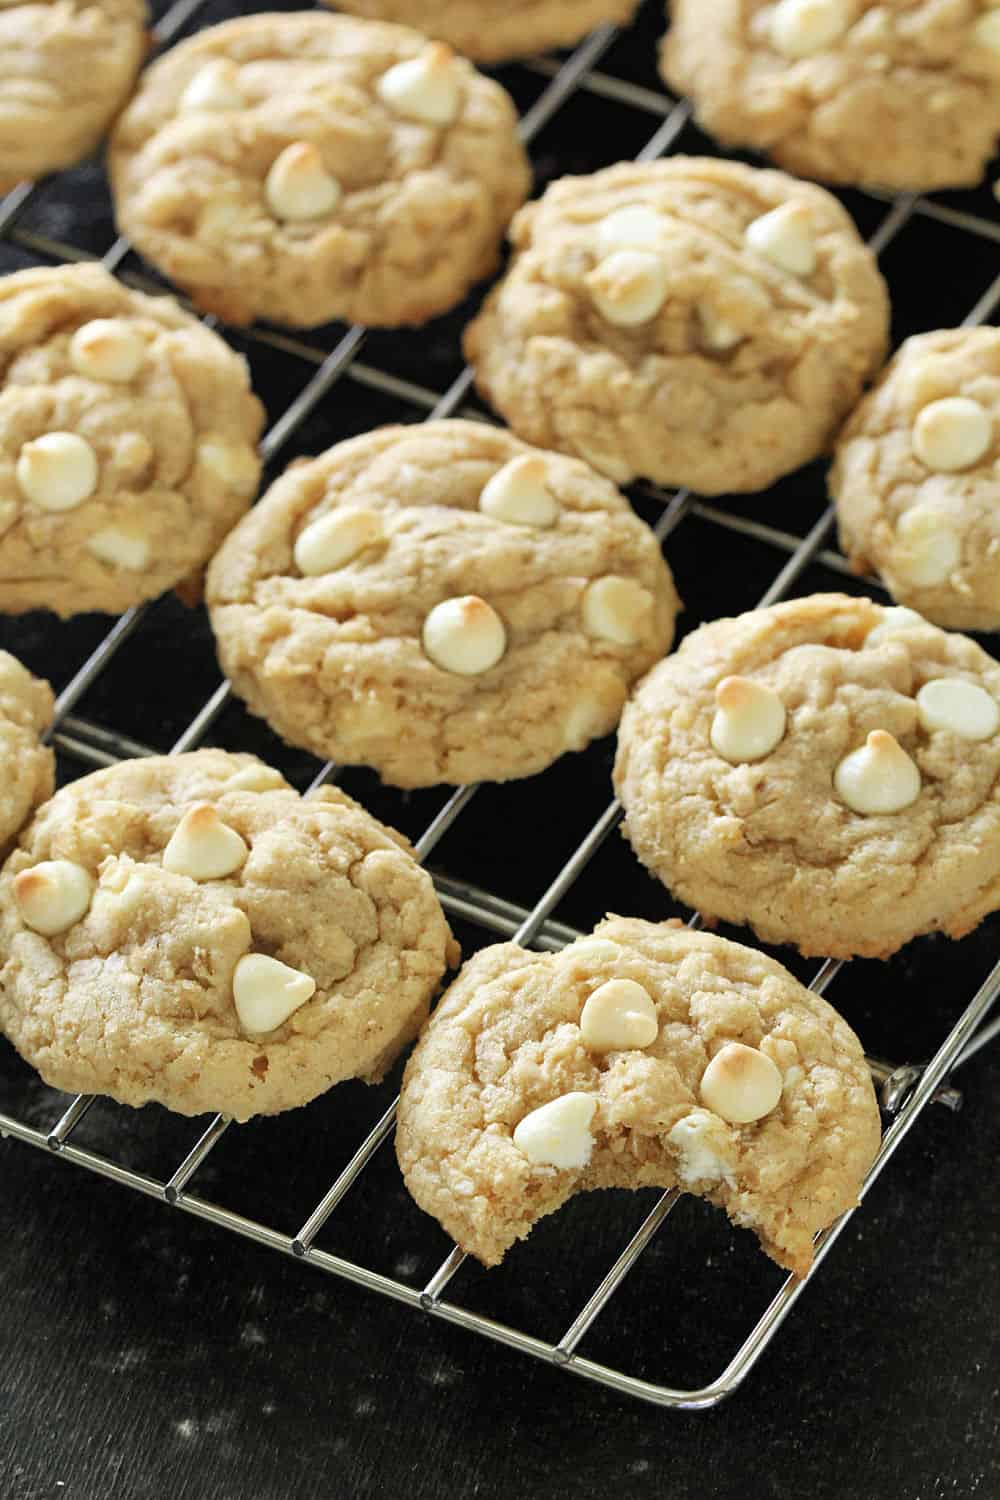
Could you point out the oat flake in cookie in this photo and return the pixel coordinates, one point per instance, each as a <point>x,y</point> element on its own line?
<point>440,602</point>
<point>25,764</point>
<point>898,94</point>
<point>66,68</point>
<point>188,929</point>
<point>827,771</point>
<point>304,167</point>
<point>695,322</point>
<point>644,1055</point>
<point>917,478</point>
<point>128,437</point>
<point>491,33</point>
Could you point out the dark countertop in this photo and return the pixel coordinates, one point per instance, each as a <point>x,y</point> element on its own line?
<point>147,1354</point>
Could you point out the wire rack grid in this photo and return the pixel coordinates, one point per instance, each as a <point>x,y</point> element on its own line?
<point>906,1090</point>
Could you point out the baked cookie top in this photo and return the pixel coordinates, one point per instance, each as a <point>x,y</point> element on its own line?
<point>825,770</point>
<point>440,602</point>
<point>644,1055</point>
<point>306,167</point>
<point>25,765</point>
<point>901,94</point>
<point>127,442</point>
<point>916,478</point>
<point>491,33</point>
<point>66,67</point>
<point>188,929</point>
<point>696,322</point>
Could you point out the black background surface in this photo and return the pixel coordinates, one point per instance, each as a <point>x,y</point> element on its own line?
<point>145,1354</point>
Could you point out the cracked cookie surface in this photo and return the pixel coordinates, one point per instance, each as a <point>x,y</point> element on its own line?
<point>26,766</point>
<point>777,841</point>
<point>916,478</point>
<point>489,33</point>
<point>898,94</point>
<point>128,439</point>
<point>66,68</point>
<point>309,167</point>
<point>140,997</point>
<point>511,1037</point>
<point>440,602</point>
<point>695,322</point>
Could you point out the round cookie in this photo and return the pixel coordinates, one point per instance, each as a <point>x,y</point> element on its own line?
<point>128,440</point>
<point>490,33</point>
<point>440,602</point>
<point>916,478</point>
<point>825,770</point>
<point>66,68</point>
<point>696,322</point>
<point>25,765</point>
<point>188,929</point>
<point>898,94</point>
<point>307,167</point>
<point>646,1055</point>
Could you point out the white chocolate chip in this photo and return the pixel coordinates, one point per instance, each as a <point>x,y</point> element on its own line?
<point>423,88</point>
<point>628,287</point>
<point>58,471</point>
<point>119,549</point>
<point>784,237</point>
<point>749,721</point>
<point>464,635</point>
<point>894,618</point>
<point>106,349</point>
<point>332,540</point>
<point>214,86</point>
<point>929,549</point>
<point>717,334</point>
<point>986,31</point>
<point>585,720</point>
<point>619,1016</point>
<point>632,227</point>
<point>255,779</point>
<point>204,847</point>
<point>959,707</point>
<point>617,609</point>
<point>952,434</point>
<point>592,951</point>
<point>51,896</point>
<point>517,493</point>
<point>233,464</point>
<point>703,1148</point>
<point>558,1134</point>
<point>266,992</point>
<point>801,27</point>
<point>741,1084</point>
<point>878,777</point>
<point>298,186</point>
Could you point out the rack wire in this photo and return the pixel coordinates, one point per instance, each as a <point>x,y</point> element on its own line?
<point>905,1090</point>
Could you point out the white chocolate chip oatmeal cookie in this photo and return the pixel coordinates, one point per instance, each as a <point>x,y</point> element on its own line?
<point>825,770</point>
<point>491,33</point>
<point>307,167</point>
<point>440,602</point>
<point>696,322</point>
<point>25,764</point>
<point>643,1056</point>
<point>188,929</point>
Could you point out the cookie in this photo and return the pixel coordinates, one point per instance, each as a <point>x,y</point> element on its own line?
<point>825,770</point>
<point>646,1055</point>
<point>66,68</point>
<point>696,322</point>
<point>916,478</point>
<point>440,602</point>
<point>25,765</point>
<point>127,442</point>
<point>490,33</point>
<point>188,929</point>
<point>307,167</point>
<point>898,94</point>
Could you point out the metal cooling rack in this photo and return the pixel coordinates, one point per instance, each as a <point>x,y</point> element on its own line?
<point>905,1090</point>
